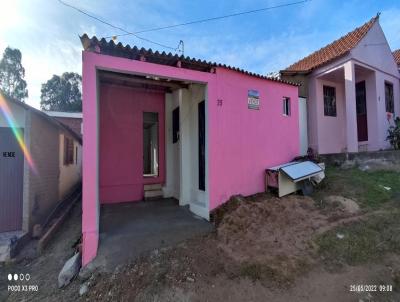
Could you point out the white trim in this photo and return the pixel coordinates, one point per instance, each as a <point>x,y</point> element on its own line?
<point>64,114</point>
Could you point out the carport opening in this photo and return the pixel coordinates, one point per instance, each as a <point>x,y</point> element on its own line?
<point>152,136</point>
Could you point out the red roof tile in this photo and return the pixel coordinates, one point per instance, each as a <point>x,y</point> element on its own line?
<point>334,50</point>
<point>396,55</point>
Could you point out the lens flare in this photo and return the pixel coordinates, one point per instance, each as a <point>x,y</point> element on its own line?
<point>5,110</point>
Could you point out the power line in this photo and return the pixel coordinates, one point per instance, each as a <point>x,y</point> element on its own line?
<point>117,27</point>
<point>212,18</point>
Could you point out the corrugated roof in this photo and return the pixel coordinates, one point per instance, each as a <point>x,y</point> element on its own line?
<point>334,50</point>
<point>134,53</point>
<point>396,55</point>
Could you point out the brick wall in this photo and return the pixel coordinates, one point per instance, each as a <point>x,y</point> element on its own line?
<point>43,186</point>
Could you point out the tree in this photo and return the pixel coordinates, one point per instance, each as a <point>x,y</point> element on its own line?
<point>62,93</point>
<point>12,74</point>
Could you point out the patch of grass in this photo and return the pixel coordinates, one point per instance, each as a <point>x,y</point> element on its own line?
<point>259,272</point>
<point>364,186</point>
<point>363,240</point>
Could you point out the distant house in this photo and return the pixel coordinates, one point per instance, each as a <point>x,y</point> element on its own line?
<point>40,162</point>
<point>396,55</point>
<point>72,119</point>
<point>352,91</point>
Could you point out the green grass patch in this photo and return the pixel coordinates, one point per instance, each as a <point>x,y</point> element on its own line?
<point>366,187</point>
<point>363,241</point>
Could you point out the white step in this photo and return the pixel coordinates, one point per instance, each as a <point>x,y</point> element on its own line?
<point>152,187</point>
<point>153,194</point>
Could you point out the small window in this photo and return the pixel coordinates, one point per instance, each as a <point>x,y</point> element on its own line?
<point>175,125</point>
<point>389,100</point>
<point>68,151</point>
<point>286,106</point>
<point>76,155</point>
<point>329,101</point>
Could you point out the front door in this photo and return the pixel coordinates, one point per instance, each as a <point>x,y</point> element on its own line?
<point>361,105</point>
<point>11,180</point>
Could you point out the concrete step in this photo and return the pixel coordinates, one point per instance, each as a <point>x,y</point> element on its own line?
<point>153,194</point>
<point>152,187</point>
<point>10,242</point>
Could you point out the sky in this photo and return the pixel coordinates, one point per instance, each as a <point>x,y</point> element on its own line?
<point>47,33</point>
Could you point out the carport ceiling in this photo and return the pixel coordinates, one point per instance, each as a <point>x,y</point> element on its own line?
<point>138,81</point>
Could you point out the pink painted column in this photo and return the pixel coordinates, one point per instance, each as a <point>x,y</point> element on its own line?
<point>350,107</point>
<point>90,194</point>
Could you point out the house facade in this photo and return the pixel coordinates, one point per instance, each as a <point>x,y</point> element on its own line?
<point>352,91</point>
<point>163,125</point>
<point>40,162</point>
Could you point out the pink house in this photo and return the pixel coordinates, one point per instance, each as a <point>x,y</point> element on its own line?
<point>352,91</point>
<point>162,125</point>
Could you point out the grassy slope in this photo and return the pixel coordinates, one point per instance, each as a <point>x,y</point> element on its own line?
<point>378,232</point>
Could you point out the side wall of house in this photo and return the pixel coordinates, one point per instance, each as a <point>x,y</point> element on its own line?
<point>244,142</point>
<point>43,184</point>
<point>70,174</point>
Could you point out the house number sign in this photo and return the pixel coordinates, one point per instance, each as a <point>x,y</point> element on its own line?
<point>253,100</point>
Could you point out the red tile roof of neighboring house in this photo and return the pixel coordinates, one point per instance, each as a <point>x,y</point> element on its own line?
<point>334,50</point>
<point>396,55</point>
<point>126,51</point>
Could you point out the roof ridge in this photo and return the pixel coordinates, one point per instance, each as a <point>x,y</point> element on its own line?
<point>333,50</point>
<point>97,45</point>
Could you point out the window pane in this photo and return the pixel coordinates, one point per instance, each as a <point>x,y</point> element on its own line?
<point>389,101</point>
<point>329,101</point>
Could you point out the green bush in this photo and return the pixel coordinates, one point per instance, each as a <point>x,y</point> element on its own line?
<point>394,134</point>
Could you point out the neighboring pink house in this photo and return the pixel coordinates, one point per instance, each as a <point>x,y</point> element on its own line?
<point>352,91</point>
<point>200,131</point>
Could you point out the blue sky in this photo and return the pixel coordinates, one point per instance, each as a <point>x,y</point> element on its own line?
<point>47,32</point>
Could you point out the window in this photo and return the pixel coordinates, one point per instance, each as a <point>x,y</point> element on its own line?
<point>175,125</point>
<point>389,101</point>
<point>68,151</point>
<point>286,106</point>
<point>329,101</point>
<point>150,144</point>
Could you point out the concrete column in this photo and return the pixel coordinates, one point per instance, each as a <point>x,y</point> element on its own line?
<point>90,177</point>
<point>350,107</point>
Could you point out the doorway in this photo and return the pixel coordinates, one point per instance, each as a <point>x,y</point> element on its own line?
<point>11,184</point>
<point>361,107</point>
<point>150,144</point>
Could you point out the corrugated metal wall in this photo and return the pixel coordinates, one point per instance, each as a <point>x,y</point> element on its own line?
<point>11,181</point>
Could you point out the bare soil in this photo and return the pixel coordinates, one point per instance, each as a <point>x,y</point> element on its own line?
<point>261,250</point>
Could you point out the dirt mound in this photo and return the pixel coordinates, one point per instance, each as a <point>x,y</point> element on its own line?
<point>270,230</point>
<point>349,205</point>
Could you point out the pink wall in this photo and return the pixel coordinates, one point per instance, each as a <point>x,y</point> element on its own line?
<point>244,142</point>
<point>331,129</point>
<point>121,141</point>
